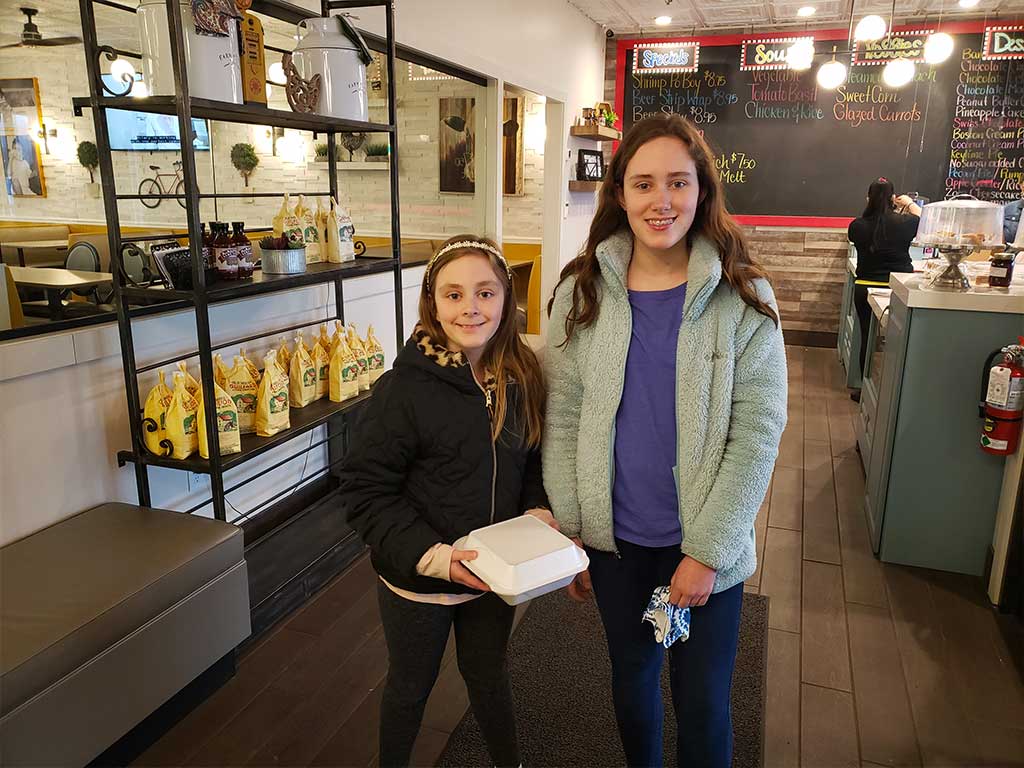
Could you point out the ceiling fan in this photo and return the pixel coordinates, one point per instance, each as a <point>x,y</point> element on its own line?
<point>30,35</point>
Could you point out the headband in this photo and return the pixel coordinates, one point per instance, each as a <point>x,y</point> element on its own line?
<point>476,244</point>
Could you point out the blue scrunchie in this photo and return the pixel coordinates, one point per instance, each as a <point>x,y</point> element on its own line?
<point>670,622</point>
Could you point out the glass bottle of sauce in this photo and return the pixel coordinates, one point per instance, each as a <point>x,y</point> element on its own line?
<point>245,260</point>
<point>209,266</point>
<point>225,252</point>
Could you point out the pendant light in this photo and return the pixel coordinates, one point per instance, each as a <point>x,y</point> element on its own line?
<point>832,74</point>
<point>938,47</point>
<point>122,69</point>
<point>869,28</point>
<point>898,73</point>
<point>800,55</point>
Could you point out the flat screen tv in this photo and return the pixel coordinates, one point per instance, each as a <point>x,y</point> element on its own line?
<point>147,132</point>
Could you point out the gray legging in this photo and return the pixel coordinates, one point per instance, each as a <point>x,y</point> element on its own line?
<point>417,634</point>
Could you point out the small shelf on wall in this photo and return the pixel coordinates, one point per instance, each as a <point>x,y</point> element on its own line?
<point>595,132</point>
<point>364,165</point>
<point>584,186</point>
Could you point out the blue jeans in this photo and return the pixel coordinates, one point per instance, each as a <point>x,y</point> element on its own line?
<point>700,670</point>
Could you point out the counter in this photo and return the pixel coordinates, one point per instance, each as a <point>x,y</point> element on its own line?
<point>913,291</point>
<point>933,498</point>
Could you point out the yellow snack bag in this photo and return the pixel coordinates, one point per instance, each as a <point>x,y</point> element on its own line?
<point>284,356</point>
<point>249,363</point>
<point>321,228</point>
<point>356,345</point>
<point>307,220</point>
<point>220,371</point>
<point>322,363</point>
<point>339,233</point>
<point>286,224</point>
<point>344,372</point>
<point>228,436</point>
<point>302,375</point>
<point>272,399</point>
<point>182,430</point>
<point>190,381</point>
<point>243,387</point>
<point>154,415</point>
<point>324,339</point>
<point>374,355</point>
<point>339,336</point>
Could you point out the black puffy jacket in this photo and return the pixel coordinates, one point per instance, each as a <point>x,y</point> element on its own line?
<point>422,467</point>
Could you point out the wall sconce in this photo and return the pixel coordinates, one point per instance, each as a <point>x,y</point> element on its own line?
<point>43,135</point>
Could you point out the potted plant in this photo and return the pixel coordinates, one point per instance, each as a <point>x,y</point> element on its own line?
<point>610,118</point>
<point>245,160</point>
<point>321,152</point>
<point>89,157</point>
<point>281,256</point>
<point>377,152</point>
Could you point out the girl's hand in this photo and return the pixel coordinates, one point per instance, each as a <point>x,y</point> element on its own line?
<point>545,516</point>
<point>460,574</point>
<point>691,583</point>
<point>580,589</point>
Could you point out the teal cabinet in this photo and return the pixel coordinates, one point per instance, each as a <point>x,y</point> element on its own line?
<point>931,492</point>
<point>848,337</point>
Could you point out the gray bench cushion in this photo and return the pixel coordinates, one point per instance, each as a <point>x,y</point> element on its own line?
<point>71,590</point>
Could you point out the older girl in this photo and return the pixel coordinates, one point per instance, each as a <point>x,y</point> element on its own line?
<point>667,399</point>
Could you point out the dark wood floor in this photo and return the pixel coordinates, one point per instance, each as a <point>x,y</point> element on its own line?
<point>868,664</point>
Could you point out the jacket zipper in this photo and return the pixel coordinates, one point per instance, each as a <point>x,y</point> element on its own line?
<point>490,437</point>
<point>611,445</point>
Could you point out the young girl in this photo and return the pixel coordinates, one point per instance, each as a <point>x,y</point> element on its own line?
<point>667,399</point>
<point>447,444</point>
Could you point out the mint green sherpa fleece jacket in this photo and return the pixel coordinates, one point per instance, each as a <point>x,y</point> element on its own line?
<point>730,409</point>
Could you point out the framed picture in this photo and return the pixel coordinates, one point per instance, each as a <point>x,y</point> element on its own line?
<point>512,146</point>
<point>21,115</point>
<point>457,146</point>
<point>590,165</point>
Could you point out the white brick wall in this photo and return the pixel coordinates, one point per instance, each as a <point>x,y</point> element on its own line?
<point>424,210</point>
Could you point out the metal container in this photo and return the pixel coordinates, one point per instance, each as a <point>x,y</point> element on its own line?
<point>331,48</point>
<point>289,262</point>
<point>213,63</point>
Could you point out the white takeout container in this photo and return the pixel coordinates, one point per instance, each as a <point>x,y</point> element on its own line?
<point>523,558</point>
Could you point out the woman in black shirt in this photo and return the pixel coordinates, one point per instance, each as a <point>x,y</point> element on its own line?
<point>882,236</point>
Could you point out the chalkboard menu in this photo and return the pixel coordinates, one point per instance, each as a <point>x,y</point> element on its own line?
<point>786,147</point>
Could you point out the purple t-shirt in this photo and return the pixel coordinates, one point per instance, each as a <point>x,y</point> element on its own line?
<point>645,504</point>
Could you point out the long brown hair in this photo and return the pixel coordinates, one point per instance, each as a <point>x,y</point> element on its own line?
<point>507,356</point>
<point>711,220</point>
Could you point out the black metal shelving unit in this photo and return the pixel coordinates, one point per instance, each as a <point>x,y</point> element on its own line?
<point>185,107</point>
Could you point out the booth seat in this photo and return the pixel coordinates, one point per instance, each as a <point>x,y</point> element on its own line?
<point>103,618</point>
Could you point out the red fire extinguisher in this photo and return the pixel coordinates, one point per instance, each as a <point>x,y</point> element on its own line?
<point>1002,404</point>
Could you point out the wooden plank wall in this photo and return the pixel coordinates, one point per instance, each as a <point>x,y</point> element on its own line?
<point>808,270</point>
